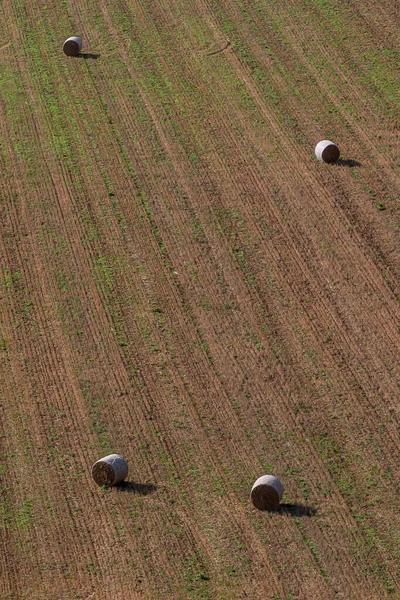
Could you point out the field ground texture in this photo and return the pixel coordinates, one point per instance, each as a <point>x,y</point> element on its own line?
<point>181,282</point>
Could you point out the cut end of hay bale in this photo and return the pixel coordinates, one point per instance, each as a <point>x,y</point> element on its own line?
<point>267,492</point>
<point>110,470</point>
<point>264,497</point>
<point>330,154</point>
<point>327,151</point>
<point>72,46</point>
<point>103,474</point>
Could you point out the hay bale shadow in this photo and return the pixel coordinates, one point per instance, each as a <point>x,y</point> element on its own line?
<point>87,55</point>
<point>296,510</point>
<point>347,163</point>
<point>144,489</point>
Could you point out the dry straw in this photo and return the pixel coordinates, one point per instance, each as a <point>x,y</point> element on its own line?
<point>72,46</point>
<point>110,470</point>
<point>267,492</point>
<point>327,151</point>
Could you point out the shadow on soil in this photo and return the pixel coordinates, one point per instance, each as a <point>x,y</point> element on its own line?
<point>296,510</point>
<point>86,55</point>
<point>136,488</point>
<point>348,163</point>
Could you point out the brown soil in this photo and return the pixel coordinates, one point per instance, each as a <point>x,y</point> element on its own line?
<point>183,283</point>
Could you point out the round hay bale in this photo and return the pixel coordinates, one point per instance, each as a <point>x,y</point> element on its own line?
<point>72,46</point>
<point>327,151</point>
<point>110,470</point>
<point>267,492</point>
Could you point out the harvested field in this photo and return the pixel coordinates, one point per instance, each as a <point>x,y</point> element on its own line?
<point>184,284</point>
